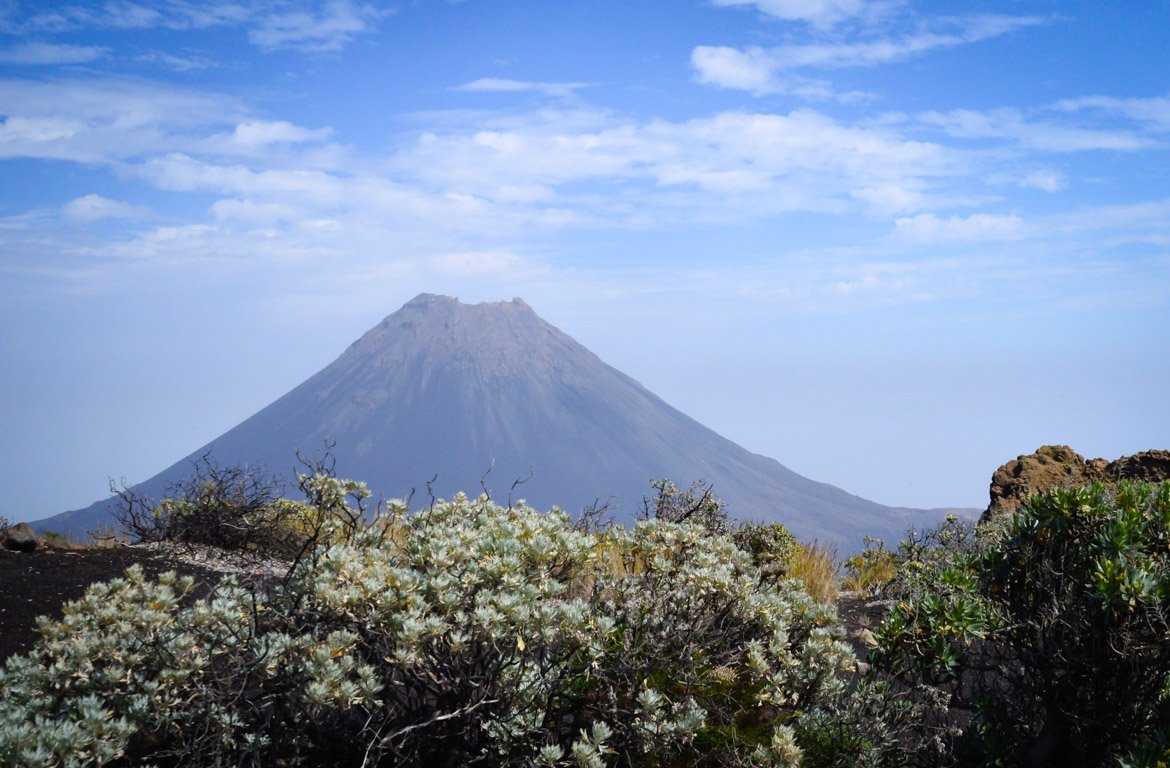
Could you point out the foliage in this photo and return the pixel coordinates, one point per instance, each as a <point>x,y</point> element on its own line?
<point>240,509</point>
<point>697,505</point>
<point>1054,629</point>
<point>870,571</point>
<point>464,634</point>
<point>816,566</point>
<point>770,545</point>
<point>937,609</point>
<point>877,724</point>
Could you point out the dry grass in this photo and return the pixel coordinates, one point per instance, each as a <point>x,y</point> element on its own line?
<point>868,572</point>
<point>816,566</point>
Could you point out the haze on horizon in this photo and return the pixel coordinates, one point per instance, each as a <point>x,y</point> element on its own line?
<point>889,244</point>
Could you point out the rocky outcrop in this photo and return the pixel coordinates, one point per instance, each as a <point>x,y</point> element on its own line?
<point>19,537</point>
<point>1057,466</point>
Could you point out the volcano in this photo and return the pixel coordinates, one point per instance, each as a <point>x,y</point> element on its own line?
<point>442,397</point>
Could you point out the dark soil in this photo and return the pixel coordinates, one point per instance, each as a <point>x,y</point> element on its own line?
<point>37,583</point>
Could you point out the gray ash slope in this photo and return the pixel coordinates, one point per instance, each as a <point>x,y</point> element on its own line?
<point>446,390</point>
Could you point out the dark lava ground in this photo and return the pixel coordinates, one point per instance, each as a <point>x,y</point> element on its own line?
<point>38,583</point>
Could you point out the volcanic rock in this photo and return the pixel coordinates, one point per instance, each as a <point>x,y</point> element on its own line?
<point>1059,466</point>
<point>20,537</point>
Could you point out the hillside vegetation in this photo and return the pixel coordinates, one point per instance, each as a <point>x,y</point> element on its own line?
<point>469,633</point>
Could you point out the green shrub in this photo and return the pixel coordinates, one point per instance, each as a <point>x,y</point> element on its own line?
<point>1056,629</point>
<point>771,546</point>
<point>464,634</point>
<point>870,571</point>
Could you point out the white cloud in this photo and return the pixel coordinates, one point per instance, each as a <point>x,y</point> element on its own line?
<point>114,121</point>
<point>467,263</point>
<point>750,69</point>
<point>818,13</point>
<point>104,120</point>
<point>338,22</point>
<point>90,208</point>
<point>978,227</point>
<point>748,163</point>
<point>124,14</point>
<point>1044,135</point>
<point>304,25</point>
<point>767,70</point>
<point>503,85</point>
<point>1153,111</point>
<point>40,53</point>
<point>184,62</point>
<point>254,213</point>
<point>260,132</point>
<point>17,133</point>
<point>1047,181</point>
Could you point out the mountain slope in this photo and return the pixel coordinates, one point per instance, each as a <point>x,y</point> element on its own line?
<point>449,391</point>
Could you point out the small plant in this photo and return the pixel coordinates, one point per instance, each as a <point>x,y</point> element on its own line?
<point>239,509</point>
<point>770,545</point>
<point>696,505</point>
<point>55,539</point>
<point>815,566</point>
<point>869,572</point>
<point>104,536</point>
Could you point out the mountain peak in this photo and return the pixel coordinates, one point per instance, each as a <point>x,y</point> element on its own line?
<point>429,300</point>
<point>468,397</point>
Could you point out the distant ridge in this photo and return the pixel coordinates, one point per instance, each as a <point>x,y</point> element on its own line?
<point>449,391</point>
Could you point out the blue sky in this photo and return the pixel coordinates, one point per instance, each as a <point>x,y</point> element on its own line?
<point>890,244</point>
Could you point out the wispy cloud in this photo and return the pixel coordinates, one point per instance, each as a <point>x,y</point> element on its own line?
<point>978,227</point>
<point>125,14</point>
<point>1037,133</point>
<point>1155,111</point>
<point>762,70</point>
<point>309,26</point>
<point>180,62</point>
<point>41,53</point>
<point>503,85</point>
<point>1047,181</point>
<point>750,163</point>
<point>329,29</point>
<point>818,13</point>
<point>262,132</point>
<point>472,196</point>
<point>105,120</point>
<point>90,208</point>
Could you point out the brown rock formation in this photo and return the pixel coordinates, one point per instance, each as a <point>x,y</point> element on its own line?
<point>1057,466</point>
<point>19,537</point>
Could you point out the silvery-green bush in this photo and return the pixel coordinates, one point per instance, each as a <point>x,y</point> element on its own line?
<point>463,634</point>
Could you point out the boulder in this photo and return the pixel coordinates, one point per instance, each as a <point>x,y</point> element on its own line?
<point>1058,466</point>
<point>20,537</point>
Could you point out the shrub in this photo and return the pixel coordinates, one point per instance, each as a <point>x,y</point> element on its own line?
<point>870,571</point>
<point>1054,629</point>
<point>230,508</point>
<point>697,505</point>
<point>770,545</point>
<point>464,634</point>
<point>239,509</point>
